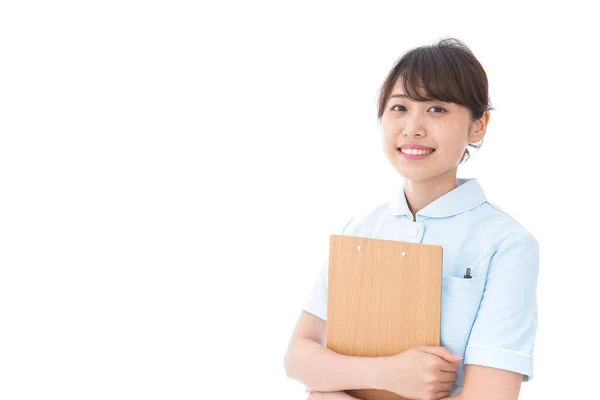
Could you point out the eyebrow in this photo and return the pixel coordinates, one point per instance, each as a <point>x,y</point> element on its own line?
<point>403,96</point>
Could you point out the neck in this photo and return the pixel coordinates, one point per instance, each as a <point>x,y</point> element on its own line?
<point>420,193</point>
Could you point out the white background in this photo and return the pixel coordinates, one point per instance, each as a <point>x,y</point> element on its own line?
<point>170,173</point>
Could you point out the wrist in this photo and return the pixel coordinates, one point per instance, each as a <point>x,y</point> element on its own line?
<point>377,378</point>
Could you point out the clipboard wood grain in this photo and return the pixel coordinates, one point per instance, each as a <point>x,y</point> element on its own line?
<point>384,297</point>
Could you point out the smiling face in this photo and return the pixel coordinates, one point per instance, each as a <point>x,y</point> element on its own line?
<point>426,140</point>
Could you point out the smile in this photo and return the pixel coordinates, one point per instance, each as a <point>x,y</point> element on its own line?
<point>415,154</point>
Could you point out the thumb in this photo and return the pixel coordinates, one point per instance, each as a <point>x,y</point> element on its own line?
<point>441,352</point>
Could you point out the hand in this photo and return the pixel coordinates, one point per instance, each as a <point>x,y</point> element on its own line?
<point>421,373</point>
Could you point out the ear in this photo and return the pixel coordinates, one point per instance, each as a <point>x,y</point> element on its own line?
<point>478,128</point>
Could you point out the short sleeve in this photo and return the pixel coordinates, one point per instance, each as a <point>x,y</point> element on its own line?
<point>316,303</point>
<point>505,326</point>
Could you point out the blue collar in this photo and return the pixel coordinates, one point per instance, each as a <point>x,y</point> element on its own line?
<point>465,197</point>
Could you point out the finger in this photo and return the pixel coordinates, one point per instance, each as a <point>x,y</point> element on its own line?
<point>445,386</point>
<point>447,377</point>
<point>442,395</point>
<point>441,352</point>
<point>449,366</point>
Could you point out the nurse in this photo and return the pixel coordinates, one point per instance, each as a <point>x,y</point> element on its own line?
<point>433,105</point>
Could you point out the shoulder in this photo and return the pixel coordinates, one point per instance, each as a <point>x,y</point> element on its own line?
<point>501,225</point>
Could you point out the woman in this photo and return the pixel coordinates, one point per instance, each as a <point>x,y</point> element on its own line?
<point>432,106</point>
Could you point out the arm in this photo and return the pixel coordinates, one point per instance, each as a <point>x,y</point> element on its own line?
<point>330,396</point>
<point>424,372</point>
<point>341,395</point>
<point>499,355</point>
<point>490,384</point>
<point>320,368</point>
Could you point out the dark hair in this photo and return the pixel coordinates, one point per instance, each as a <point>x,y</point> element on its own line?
<point>445,71</point>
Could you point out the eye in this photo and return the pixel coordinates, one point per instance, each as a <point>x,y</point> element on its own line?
<point>394,108</point>
<point>441,110</point>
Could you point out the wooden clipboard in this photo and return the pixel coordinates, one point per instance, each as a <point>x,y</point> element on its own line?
<point>384,297</point>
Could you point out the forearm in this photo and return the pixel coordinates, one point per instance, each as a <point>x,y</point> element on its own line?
<point>330,396</point>
<point>322,369</point>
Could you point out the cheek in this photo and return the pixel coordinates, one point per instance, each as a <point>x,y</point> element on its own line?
<point>390,128</point>
<point>451,136</point>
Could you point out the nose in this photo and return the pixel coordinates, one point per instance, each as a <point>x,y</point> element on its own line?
<point>414,127</point>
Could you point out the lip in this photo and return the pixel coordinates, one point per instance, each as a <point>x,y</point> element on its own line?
<point>415,146</point>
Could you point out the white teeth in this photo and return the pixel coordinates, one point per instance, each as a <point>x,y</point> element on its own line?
<point>416,151</point>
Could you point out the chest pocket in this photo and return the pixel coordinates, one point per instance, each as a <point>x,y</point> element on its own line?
<point>460,302</point>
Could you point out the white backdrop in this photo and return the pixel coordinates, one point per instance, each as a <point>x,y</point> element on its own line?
<point>170,173</point>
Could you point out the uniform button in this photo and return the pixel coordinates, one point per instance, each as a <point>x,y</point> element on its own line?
<point>414,232</point>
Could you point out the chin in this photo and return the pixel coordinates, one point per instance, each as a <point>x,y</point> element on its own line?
<point>419,173</point>
<point>416,176</point>
<point>415,172</point>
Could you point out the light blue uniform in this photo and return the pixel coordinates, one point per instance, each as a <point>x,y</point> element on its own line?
<point>490,319</point>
